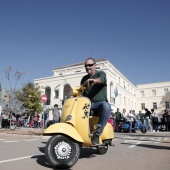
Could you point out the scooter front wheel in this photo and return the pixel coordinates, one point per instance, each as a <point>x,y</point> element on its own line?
<point>61,152</point>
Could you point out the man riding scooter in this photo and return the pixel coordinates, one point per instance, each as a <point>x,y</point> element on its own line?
<point>96,91</point>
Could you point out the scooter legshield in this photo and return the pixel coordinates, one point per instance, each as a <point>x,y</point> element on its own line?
<point>63,128</point>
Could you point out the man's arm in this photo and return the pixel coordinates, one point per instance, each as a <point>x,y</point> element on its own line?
<point>101,79</point>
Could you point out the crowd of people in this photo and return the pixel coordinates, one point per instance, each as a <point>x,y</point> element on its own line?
<point>34,120</point>
<point>149,118</point>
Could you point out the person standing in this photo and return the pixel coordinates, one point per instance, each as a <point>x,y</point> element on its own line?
<point>168,120</point>
<point>26,120</point>
<point>154,120</point>
<point>96,91</point>
<point>147,119</point>
<point>18,116</point>
<point>118,116</point>
<point>0,118</point>
<point>131,119</point>
<point>56,114</point>
<point>45,119</point>
<point>141,116</point>
<point>165,120</point>
<point>36,118</point>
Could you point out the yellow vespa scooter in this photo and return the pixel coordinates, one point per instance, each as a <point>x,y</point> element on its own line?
<point>75,130</point>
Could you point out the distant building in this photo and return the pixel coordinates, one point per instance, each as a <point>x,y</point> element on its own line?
<point>121,92</point>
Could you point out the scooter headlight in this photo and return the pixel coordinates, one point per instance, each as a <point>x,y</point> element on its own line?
<point>69,117</point>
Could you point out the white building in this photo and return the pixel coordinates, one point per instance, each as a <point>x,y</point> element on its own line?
<point>121,92</point>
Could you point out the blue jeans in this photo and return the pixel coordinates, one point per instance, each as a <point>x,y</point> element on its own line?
<point>25,122</point>
<point>104,110</point>
<point>55,121</point>
<point>130,125</point>
<point>35,124</point>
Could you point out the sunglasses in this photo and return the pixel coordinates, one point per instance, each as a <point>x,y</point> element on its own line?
<point>90,65</point>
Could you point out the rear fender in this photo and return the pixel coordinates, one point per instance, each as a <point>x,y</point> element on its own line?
<point>63,128</point>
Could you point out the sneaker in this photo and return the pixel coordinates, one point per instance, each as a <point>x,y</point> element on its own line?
<point>95,139</point>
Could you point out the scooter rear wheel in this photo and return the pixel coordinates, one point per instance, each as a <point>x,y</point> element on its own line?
<point>61,152</point>
<point>102,149</point>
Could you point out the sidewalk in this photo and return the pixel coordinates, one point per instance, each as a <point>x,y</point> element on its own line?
<point>29,132</point>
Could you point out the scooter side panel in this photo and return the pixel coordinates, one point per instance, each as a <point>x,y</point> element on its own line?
<point>82,110</point>
<point>108,132</point>
<point>78,108</point>
<point>63,128</point>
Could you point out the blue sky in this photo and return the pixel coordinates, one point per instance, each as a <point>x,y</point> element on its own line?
<point>37,36</point>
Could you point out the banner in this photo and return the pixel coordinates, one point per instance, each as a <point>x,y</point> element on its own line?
<point>116,92</point>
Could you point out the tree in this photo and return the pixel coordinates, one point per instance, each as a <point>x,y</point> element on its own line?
<point>165,98</point>
<point>30,95</point>
<point>14,105</point>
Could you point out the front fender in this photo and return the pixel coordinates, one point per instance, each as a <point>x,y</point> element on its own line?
<point>63,128</point>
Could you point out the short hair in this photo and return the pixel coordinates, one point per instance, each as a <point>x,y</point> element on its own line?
<point>91,59</point>
<point>56,105</point>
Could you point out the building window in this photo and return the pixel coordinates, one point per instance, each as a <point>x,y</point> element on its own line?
<point>142,93</point>
<point>167,105</point>
<point>154,105</point>
<point>56,94</point>
<point>112,94</point>
<point>143,106</point>
<point>124,84</point>
<point>125,101</point>
<point>166,91</point>
<point>153,92</point>
<point>120,98</point>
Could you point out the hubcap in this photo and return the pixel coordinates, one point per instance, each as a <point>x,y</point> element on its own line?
<point>63,150</point>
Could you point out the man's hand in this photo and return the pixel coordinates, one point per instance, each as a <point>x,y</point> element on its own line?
<point>89,82</point>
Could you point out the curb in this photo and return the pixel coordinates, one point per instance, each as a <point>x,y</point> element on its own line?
<point>20,133</point>
<point>26,136</point>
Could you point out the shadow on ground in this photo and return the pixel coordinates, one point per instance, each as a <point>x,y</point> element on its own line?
<point>84,153</point>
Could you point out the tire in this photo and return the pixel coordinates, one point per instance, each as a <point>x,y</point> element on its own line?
<point>125,130</point>
<point>102,149</point>
<point>143,130</point>
<point>61,152</point>
<point>133,131</point>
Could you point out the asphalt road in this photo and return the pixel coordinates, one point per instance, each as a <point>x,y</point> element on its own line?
<point>132,151</point>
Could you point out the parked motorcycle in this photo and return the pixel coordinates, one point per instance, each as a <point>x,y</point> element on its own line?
<point>74,131</point>
<point>136,126</point>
